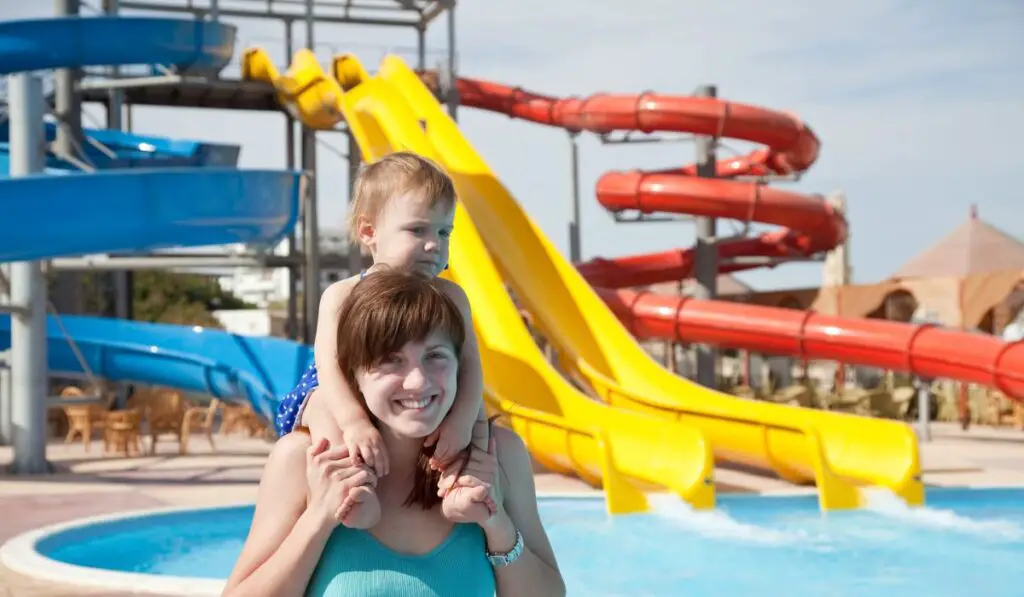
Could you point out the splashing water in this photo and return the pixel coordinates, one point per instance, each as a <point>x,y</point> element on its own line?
<point>717,524</point>
<point>885,503</point>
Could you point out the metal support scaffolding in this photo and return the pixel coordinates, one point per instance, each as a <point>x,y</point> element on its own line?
<point>310,220</point>
<point>355,250</point>
<point>303,260</point>
<point>291,326</point>
<point>122,280</point>
<point>171,261</point>
<point>706,254</point>
<point>28,289</point>
<point>453,92</point>
<point>5,363</point>
<point>310,237</point>
<point>574,207</point>
<point>67,106</point>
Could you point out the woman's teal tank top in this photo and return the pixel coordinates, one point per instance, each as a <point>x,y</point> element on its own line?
<point>355,564</point>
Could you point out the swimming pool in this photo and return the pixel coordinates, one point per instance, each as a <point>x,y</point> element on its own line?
<point>964,542</point>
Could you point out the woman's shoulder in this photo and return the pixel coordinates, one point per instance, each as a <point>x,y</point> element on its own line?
<point>511,452</point>
<point>452,290</point>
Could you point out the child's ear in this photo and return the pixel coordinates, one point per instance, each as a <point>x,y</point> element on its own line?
<point>367,233</point>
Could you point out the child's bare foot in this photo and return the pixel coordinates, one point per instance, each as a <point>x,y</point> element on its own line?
<point>467,504</point>
<point>361,509</point>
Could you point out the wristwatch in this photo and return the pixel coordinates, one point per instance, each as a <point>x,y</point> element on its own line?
<point>499,560</point>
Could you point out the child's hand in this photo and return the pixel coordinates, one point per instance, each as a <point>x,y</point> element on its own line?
<point>340,489</point>
<point>364,441</point>
<point>451,439</point>
<point>471,494</point>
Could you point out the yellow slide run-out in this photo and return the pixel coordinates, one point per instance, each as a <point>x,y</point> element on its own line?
<point>563,429</point>
<point>838,452</point>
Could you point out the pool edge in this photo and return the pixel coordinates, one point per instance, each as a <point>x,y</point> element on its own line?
<point>19,555</point>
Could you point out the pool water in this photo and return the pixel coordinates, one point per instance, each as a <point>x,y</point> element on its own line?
<point>966,542</point>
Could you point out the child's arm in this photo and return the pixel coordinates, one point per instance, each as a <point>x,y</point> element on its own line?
<point>467,421</point>
<point>336,412</point>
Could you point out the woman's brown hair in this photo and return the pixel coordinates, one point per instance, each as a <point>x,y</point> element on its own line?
<point>385,311</point>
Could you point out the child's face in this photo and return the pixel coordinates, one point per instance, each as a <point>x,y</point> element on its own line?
<point>410,235</point>
<point>412,390</point>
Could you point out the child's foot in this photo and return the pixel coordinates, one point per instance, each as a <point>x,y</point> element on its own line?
<point>361,509</point>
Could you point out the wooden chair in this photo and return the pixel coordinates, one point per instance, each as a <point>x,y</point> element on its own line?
<point>164,411</point>
<point>122,431</point>
<point>82,418</point>
<point>243,417</point>
<point>199,418</point>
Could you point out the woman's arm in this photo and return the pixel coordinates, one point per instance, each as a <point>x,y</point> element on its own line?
<point>535,573</point>
<point>285,540</point>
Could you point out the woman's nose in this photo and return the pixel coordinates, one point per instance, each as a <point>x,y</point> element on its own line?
<point>416,380</point>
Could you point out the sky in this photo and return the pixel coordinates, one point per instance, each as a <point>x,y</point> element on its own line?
<point>918,106</point>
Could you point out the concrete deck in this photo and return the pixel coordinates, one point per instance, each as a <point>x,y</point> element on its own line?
<point>88,484</point>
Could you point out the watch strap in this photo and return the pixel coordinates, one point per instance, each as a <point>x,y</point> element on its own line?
<point>500,560</point>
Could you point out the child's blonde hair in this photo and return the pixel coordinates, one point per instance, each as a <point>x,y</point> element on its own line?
<point>396,174</point>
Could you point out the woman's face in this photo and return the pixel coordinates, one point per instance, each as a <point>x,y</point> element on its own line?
<point>412,390</point>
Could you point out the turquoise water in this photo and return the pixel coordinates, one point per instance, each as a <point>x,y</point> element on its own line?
<point>966,542</point>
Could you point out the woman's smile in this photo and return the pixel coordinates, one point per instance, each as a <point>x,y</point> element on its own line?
<point>418,404</point>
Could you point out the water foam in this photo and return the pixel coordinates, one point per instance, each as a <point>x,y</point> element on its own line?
<point>717,524</point>
<point>884,502</point>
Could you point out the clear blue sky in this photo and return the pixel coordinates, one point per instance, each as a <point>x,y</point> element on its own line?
<point>918,105</point>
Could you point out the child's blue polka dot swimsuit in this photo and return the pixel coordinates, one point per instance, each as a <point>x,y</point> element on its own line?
<point>290,410</point>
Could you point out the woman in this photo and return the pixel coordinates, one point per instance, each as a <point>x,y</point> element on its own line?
<point>398,345</point>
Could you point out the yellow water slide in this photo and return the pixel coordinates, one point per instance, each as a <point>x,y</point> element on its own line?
<point>839,452</point>
<point>564,430</point>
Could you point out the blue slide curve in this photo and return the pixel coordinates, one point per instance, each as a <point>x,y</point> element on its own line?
<point>127,209</point>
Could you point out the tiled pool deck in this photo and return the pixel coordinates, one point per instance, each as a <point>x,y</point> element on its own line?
<point>88,484</point>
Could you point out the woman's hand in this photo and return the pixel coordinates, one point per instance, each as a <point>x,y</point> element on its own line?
<point>472,494</point>
<point>338,484</point>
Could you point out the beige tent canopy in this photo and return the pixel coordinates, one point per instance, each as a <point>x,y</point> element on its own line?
<point>972,278</point>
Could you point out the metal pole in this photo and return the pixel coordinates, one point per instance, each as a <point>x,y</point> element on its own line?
<point>421,48</point>
<point>310,21</point>
<point>214,13</point>
<point>28,288</point>
<point>5,366</point>
<point>453,92</point>
<point>66,103</point>
<point>292,323</point>
<point>574,212</point>
<point>311,277</point>
<point>924,395</point>
<point>115,105</point>
<point>5,398</point>
<point>355,254</point>
<point>706,258</point>
<point>69,296</point>
<point>311,233</point>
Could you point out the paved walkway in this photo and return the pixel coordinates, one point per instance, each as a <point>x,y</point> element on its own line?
<point>88,484</point>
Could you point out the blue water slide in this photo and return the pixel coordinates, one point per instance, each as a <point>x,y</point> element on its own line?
<point>119,149</point>
<point>134,209</point>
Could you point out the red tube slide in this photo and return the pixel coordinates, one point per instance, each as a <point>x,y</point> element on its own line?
<point>809,226</point>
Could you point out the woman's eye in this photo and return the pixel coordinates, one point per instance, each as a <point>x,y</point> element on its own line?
<point>393,359</point>
<point>437,356</point>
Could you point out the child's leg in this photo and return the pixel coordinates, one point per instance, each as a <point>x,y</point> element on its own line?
<point>292,408</point>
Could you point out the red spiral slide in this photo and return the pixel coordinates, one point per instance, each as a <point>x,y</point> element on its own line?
<point>809,226</point>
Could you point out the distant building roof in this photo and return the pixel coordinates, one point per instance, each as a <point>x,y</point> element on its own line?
<point>727,285</point>
<point>974,247</point>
